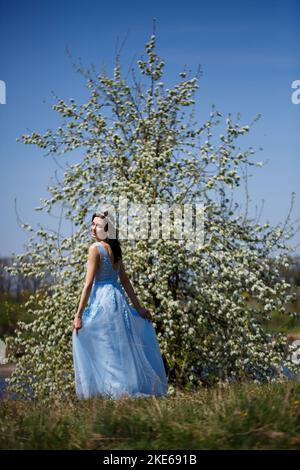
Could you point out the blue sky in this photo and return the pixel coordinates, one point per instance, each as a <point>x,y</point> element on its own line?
<point>248,52</point>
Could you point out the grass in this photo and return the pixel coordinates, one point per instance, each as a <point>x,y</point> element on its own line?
<point>240,416</point>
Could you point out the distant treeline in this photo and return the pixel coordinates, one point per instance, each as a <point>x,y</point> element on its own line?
<point>15,286</point>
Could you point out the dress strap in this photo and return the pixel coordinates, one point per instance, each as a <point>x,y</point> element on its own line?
<point>101,249</point>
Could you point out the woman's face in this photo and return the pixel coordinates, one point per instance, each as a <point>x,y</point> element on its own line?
<point>97,228</point>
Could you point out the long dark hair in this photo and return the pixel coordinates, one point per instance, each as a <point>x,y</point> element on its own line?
<point>113,242</point>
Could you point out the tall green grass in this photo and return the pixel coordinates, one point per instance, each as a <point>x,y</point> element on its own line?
<point>240,416</point>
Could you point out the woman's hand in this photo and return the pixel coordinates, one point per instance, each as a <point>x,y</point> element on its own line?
<point>145,313</point>
<point>77,323</point>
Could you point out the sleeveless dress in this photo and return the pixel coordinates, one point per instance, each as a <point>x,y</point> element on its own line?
<point>116,352</point>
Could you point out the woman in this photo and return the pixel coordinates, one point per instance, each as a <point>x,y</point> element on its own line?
<point>115,349</point>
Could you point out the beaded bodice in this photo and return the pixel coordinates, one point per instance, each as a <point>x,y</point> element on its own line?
<point>105,272</point>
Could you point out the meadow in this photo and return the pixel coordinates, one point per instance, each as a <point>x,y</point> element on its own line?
<point>240,416</point>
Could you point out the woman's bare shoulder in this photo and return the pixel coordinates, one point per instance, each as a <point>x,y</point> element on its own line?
<point>93,249</point>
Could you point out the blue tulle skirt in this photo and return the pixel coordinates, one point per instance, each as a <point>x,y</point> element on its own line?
<point>116,352</point>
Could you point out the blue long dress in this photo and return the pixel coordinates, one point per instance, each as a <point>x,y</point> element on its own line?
<point>116,352</point>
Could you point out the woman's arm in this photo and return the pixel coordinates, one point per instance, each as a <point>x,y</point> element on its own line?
<point>125,281</point>
<point>93,260</point>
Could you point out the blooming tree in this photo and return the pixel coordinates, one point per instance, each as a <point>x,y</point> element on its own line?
<point>141,143</point>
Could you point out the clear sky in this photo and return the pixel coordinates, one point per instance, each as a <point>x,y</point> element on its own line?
<point>248,51</point>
